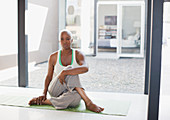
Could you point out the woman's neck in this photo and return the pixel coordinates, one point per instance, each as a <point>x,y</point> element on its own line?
<point>66,52</point>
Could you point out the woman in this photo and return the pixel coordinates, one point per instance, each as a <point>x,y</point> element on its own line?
<point>62,81</point>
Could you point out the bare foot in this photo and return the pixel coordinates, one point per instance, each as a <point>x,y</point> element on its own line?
<point>33,101</point>
<point>92,107</point>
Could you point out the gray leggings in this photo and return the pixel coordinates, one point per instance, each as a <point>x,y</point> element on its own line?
<point>63,96</point>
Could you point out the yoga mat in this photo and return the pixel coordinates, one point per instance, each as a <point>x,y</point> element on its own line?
<point>111,107</point>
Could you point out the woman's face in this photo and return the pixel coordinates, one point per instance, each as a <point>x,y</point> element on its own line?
<point>65,40</point>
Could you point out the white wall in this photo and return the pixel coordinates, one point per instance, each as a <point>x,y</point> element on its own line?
<point>42,29</point>
<point>8,34</point>
<point>85,26</point>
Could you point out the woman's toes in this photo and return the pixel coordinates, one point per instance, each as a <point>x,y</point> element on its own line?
<point>32,101</point>
<point>101,109</point>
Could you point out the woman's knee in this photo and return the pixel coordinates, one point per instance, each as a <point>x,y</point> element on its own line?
<point>76,101</point>
<point>73,81</point>
<point>68,77</point>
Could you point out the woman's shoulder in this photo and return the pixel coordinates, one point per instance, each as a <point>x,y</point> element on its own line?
<point>54,54</point>
<point>53,57</point>
<point>78,52</point>
<point>79,55</point>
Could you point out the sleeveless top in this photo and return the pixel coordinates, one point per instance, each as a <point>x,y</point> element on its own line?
<point>59,67</point>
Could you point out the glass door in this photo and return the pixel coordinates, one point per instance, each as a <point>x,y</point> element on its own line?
<point>80,21</point>
<point>108,20</point>
<point>131,43</point>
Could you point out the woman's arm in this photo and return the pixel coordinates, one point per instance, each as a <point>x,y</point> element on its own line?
<point>47,79</point>
<point>49,74</point>
<point>83,68</point>
<point>80,58</point>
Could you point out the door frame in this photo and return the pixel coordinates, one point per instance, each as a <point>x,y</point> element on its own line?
<point>120,4</point>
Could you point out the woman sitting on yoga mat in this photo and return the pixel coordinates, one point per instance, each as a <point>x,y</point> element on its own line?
<point>62,81</point>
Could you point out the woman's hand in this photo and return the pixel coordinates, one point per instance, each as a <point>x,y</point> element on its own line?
<point>40,99</point>
<point>61,77</point>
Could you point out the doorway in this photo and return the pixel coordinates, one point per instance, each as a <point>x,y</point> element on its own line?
<point>121,28</point>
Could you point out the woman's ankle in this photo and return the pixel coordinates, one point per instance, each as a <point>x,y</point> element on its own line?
<point>88,102</point>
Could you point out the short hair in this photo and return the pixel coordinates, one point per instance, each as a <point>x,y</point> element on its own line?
<point>67,31</point>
